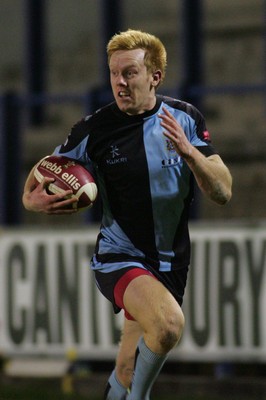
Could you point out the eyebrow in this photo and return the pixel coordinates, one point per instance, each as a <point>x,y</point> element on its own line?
<point>126,66</point>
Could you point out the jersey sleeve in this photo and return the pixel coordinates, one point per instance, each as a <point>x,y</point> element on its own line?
<point>193,124</point>
<point>75,146</point>
<point>200,135</point>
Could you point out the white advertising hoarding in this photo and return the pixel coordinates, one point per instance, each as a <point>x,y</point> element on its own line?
<point>49,302</point>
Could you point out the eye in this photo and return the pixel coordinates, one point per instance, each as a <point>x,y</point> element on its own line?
<point>114,73</point>
<point>130,73</point>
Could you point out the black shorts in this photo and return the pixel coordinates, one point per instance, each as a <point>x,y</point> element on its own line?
<point>174,281</point>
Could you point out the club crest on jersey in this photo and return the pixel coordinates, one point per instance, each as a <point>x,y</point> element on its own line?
<point>170,146</point>
<point>115,156</point>
<point>173,158</point>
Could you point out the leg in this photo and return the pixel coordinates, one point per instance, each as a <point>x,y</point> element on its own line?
<point>121,377</point>
<point>161,319</point>
<point>126,354</point>
<point>158,320</point>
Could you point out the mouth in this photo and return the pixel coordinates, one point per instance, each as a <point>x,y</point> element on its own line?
<point>123,94</point>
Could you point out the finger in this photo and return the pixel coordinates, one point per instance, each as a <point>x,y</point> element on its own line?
<point>170,128</point>
<point>167,115</point>
<point>62,195</point>
<point>167,112</point>
<point>63,199</point>
<point>63,206</point>
<point>46,181</point>
<point>168,121</point>
<point>43,186</point>
<point>171,136</point>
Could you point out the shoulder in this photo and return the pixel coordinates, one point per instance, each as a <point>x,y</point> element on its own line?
<point>87,125</point>
<point>192,115</point>
<point>183,106</point>
<point>95,118</point>
<point>194,122</point>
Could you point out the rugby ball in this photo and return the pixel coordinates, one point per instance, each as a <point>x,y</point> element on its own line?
<point>67,175</point>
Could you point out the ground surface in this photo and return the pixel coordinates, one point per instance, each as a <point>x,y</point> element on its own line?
<point>167,388</point>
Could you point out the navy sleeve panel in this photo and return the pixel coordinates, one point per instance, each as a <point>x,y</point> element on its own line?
<point>76,145</point>
<point>78,133</point>
<point>201,129</point>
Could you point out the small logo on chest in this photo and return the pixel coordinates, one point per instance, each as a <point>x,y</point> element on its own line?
<point>114,151</point>
<point>115,156</point>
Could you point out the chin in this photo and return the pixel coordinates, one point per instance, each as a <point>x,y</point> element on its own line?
<point>124,107</point>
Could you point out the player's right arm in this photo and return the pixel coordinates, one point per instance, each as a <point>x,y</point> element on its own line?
<point>35,197</point>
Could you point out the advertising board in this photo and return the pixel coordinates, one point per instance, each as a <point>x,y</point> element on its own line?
<point>49,303</point>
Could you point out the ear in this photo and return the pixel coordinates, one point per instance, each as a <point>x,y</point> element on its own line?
<point>157,75</point>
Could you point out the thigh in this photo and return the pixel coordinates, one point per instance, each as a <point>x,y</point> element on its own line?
<point>107,281</point>
<point>152,305</point>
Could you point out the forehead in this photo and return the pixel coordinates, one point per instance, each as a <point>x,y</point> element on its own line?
<point>124,58</point>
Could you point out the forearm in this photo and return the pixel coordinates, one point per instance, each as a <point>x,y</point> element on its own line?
<point>28,188</point>
<point>212,176</point>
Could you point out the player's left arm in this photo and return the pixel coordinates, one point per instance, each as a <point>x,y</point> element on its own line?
<point>211,174</point>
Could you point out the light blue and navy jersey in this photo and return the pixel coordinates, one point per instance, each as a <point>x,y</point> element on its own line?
<point>145,186</point>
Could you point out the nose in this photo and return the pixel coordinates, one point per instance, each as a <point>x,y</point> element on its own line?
<point>120,80</point>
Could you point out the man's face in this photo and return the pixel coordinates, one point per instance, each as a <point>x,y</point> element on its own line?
<point>132,85</point>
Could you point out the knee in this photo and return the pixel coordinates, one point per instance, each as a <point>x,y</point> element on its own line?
<point>170,331</point>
